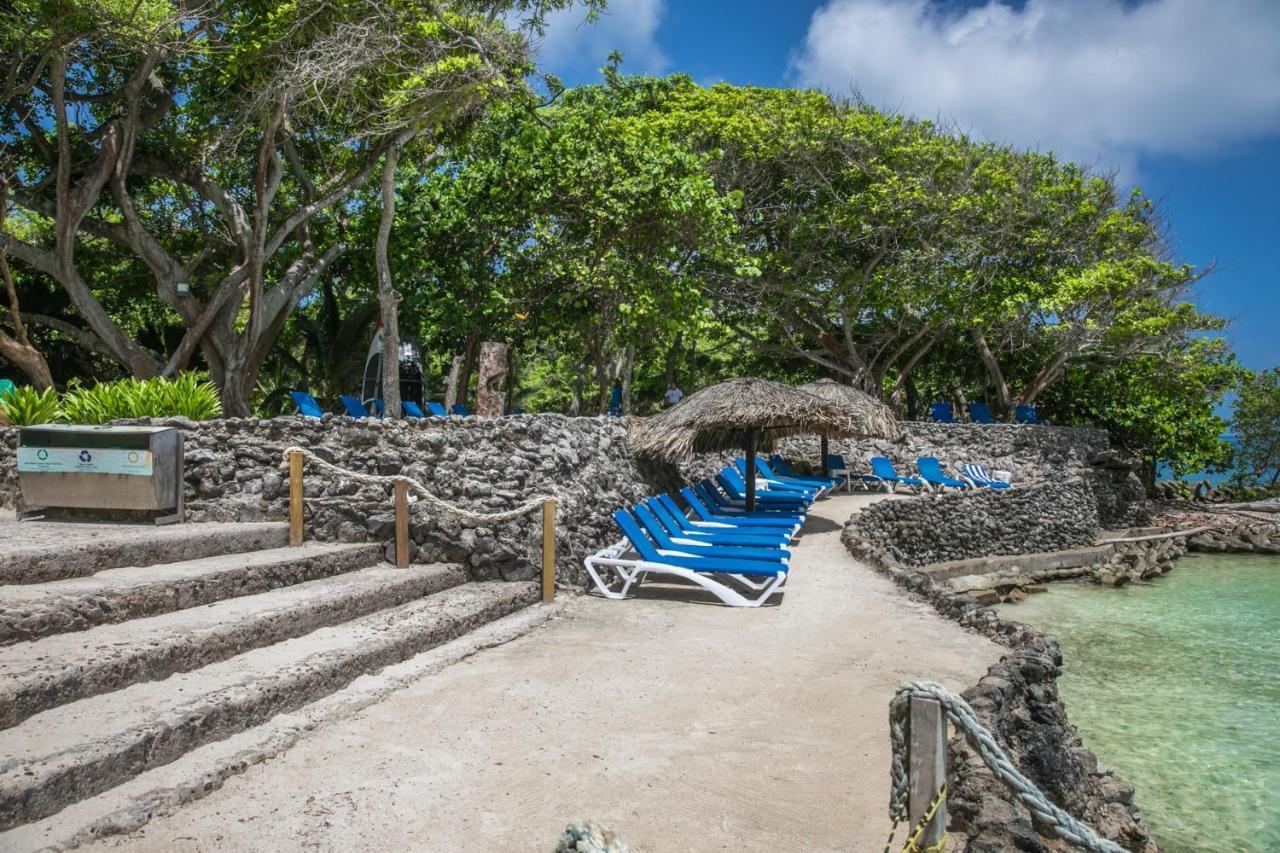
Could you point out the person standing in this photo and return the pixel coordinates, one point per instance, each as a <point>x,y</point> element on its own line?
<point>674,394</point>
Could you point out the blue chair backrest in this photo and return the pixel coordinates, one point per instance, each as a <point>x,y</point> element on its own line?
<point>710,493</point>
<point>780,464</point>
<point>942,413</point>
<point>763,469</point>
<point>980,413</point>
<point>353,406</point>
<point>931,468</point>
<point>459,410</point>
<point>732,482</point>
<point>437,410</point>
<point>380,406</point>
<point>835,462</point>
<point>632,531</point>
<point>882,466</point>
<point>518,410</point>
<point>412,409</point>
<point>307,405</point>
<point>652,527</point>
<point>661,513</point>
<point>670,503</point>
<point>1025,414</point>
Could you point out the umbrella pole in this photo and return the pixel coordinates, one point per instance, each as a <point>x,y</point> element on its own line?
<point>823,467</point>
<point>751,471</point>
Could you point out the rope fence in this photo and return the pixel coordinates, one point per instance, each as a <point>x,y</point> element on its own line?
<point>294,457</point>
<point>958,711</point>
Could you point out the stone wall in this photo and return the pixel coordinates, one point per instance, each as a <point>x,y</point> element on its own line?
<point>1018,701</point>
<point>935,528</point>
<point>233,473</point>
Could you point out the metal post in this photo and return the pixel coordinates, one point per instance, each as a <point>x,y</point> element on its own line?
<point>295,498</point>
<point>402,524</point>
<point>751,471</point>
<point>927,768</point>
<point>548,551</point>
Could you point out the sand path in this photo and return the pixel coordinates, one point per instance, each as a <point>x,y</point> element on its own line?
<point>681,725</point>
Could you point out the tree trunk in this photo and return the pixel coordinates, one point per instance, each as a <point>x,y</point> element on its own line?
<point>388,299</point>
<point>628,367</point>
<point>579,384</point>
<point>468,367</point>
<point>1048,375</point>
<point>451,383</point>
<point>18,349</point>
<point>1004,402</point>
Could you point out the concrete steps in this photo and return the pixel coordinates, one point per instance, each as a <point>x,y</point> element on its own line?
<point>39,551</point>
<point>31,611</point>
<point>125,649</point>
<point>76,750</point>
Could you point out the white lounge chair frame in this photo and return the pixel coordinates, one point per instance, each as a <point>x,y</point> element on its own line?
<point>632,570</point>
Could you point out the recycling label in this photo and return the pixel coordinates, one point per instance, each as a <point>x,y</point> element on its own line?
<point>74,460</point>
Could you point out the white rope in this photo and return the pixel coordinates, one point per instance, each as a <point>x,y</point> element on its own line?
<point>962,716</point>
<point>419,490</point>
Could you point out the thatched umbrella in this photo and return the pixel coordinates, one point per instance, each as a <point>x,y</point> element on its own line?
<point>738,413</point>
<point>868,416</point>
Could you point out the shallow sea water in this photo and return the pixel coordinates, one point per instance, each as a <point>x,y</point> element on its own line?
<point>1176,684</point>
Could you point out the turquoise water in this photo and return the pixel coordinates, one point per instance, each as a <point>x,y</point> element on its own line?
<point>1176,684</point>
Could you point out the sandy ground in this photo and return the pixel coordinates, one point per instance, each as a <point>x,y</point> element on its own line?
<point>680,724</point>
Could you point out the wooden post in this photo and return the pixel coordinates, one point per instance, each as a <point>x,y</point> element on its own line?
<point>548,551</point>
<point>295,498</point>
<point>927,768</point>
<point>751,471</point>
<point>402,524</point>
<point>823,466</point>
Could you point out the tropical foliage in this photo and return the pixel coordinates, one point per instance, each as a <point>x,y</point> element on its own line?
<point>1255,424</point>
<point>189,396</point>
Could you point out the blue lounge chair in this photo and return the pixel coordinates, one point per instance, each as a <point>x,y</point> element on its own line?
<point>460,410</point>
<point>379,407</point>
<point>705,520</point>
<point>353,406</point>
<point>736,488</point>
<point>771,470</point>
<point>1025,413</point>
<point>704,512</point>
<point>680,527</point>
<point>980,413</point>
<point>307,405</point>
<point>760,577</point>
<point>691,548</point>
<point>411,409</point>
<point>776,485</point>
<point>942,413</point>
<point>722,503</point>
<point>437,410</point>
<point>837,467</point>
<point>981,478</point>
<point>883,470</point>
<point>931,472</point>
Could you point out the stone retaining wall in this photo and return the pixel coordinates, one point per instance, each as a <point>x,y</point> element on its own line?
<point>1018,701</point>
<point>935,528</point>
<point>233,473</point>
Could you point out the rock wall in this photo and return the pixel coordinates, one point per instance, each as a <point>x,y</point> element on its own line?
<point>234,473</point>
<point>935,528</point>
<point>1018,701</point>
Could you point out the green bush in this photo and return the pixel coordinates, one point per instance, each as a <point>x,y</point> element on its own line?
<point>189,396</point>
<point>25,406</point>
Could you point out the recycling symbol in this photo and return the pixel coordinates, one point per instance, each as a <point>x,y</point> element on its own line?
<point>86,456</point>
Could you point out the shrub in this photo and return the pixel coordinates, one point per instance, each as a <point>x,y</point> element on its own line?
<point>189,396</point>
<point>25,406</point>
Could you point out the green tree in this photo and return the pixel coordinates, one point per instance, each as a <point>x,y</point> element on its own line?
<point>1255,425</point>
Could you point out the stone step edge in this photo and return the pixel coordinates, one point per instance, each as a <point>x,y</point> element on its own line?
<point>40,564</point>
<point>270,569</point>
<point>1040,561</point>
<point>28,798</point>
<point>162,791</point>
<point>43,689</point>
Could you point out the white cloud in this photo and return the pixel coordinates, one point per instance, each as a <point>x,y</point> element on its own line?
<point>1094,80</point>
<point>572,45</point>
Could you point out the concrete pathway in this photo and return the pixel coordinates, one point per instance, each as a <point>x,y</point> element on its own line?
<point>680,724</point>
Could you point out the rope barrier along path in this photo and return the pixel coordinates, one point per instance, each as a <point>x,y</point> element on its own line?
<point>1056,820</point>
<point>418,489</point>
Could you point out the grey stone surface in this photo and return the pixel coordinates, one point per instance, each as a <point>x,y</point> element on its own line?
<point>29,611</point>
<point>63,668</point>
<point>81,749</point>
<point>39,551</point>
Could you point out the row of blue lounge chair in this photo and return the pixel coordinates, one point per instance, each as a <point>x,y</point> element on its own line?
<point>980,413</point>
<point>740,557</point>
<point>931,476</point>
<point>353,407</point>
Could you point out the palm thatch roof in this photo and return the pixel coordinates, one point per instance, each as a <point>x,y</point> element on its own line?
<point>870,417</point>
<point>726,415</point>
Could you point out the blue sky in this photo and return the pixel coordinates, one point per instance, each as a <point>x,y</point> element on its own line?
<point>1180,97</point>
